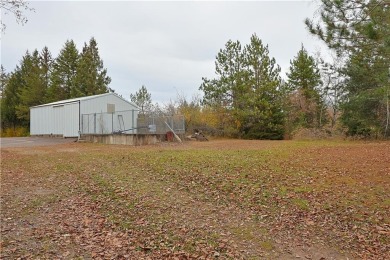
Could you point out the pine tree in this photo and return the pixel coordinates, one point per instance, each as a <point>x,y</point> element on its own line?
<point>91,76</point>
<point>263,116</point>
<point>224,94</point>
<point>33,89</point>
<point>143,99</point>
<point>46,65</point>
<point>359,30</point>
<point>10,100</point>
<point>304,82</point>
<point>3,80</point>
<point>366,107</point>
<point>226,90</point>
<point>349,26</point>
<point>248,88</point>
<point>64,73</point>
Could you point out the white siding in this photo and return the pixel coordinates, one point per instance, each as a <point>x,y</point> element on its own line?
<point>61,119</point>
<point>99,104</point>
<point>107,123</point>
<point>71,120</point>
<point>56,121</point>
<point>64,117</point>
<point>46,121</point>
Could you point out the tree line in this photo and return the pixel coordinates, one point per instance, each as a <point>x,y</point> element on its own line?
<point>40,79</point>
<point>254,100</point>
<point>350,94</point>
<point>248,98</point>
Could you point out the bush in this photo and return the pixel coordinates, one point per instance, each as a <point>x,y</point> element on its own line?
<point>310,134</point>
<point>18,131</point>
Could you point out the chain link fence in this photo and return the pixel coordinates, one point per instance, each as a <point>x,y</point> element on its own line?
<point>130,122</point>
<point>108,123</point>
<point>153,124</point>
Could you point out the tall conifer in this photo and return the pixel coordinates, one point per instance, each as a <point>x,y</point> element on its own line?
<point>91,76</point>
<point>32,90</point>
<point>63,76</point>
<point>248,87</point>
<point>359,31</point>
<point>304,83</point>
<point>46,64</point>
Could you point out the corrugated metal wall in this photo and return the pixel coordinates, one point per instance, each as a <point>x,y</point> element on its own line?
<point>99,104</point>
<point>64,118</point>
<point>61,119</point>
<point>56,123</point>
<point>71,120</point>
<point>95,118</point>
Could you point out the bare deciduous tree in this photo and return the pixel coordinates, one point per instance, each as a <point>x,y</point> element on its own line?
<point>15,7</point>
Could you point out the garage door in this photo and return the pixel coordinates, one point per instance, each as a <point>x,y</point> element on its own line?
<point>71,120</point>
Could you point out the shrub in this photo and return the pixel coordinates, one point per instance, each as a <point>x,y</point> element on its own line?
<point>18,131</point>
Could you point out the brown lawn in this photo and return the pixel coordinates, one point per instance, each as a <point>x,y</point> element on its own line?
<point>226,199</point>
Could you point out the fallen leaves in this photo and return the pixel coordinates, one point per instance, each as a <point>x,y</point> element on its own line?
<point>197,202</point>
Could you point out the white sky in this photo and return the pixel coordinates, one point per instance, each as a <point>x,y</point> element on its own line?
<point>166,46</point>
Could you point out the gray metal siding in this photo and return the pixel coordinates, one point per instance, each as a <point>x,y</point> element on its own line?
<point>63,118</point>
<point>45,121</point>
<point>71,120</point>
<point>99,104</point>
<point>55,120</point>
<point>103,123</point>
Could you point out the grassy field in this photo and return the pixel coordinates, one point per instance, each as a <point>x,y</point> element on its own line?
<point>226,199</point>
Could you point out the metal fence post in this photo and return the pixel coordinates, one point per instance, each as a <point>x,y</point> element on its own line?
<point>132,121</point>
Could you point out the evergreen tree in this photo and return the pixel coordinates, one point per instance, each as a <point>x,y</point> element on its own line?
<point>32,90</point>
<point>248,88</point>
<point>4,76</point>
<point>46,64</point>
<point>366,108</point>
<point>91,76</point>
<point>143,99</point>
<point>263,116</point>
<point>350,25</point>
<point>227,89</point>
<point>304,82</point>
<point>10,100</point>
<point>359,30</point>
<point>3,80</point>
<point>224,94</point>
<point>63,76</point>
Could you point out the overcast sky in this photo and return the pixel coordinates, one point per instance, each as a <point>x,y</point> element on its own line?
<point>166,46</point>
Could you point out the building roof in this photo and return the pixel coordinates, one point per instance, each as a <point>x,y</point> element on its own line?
<point>83,99</point>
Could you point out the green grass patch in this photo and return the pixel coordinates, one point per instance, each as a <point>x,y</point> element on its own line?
<point>267,245</point>
<point>301,203</point>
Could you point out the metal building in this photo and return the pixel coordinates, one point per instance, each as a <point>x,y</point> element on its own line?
<point>69,118</point>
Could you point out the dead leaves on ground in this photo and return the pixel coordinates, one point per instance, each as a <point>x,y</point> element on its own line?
<point>198,203</point>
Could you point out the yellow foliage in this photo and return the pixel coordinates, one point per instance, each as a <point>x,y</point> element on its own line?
<point>18,131</point>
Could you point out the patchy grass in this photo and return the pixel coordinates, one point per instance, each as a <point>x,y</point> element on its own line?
<point>227,199</point>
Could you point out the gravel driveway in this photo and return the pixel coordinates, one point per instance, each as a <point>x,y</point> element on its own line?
<point>33,141</point>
